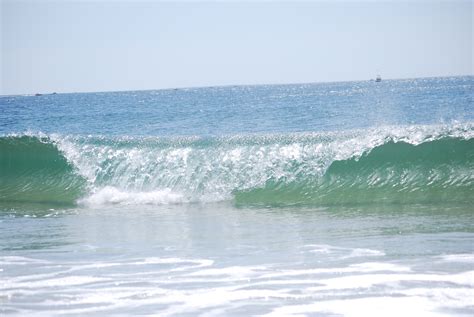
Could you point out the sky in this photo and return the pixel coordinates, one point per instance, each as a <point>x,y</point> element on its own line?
<point>80,46</point>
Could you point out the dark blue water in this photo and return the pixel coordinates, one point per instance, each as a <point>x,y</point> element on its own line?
<point>243,109</point>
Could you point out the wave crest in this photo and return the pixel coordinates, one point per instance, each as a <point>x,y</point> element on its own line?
<point>396,164</point>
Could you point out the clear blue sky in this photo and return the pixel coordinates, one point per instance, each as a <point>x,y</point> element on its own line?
<point>67,46</point>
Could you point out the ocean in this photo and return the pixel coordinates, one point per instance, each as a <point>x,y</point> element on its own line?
<point>324,199</point>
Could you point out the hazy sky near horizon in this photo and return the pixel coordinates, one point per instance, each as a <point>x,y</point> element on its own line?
<point>68,46</point>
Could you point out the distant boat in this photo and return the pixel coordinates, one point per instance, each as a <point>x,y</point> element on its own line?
<point>378,79</point>
<point>38,94</point>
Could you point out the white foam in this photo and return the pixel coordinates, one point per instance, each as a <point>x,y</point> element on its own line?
<point>465,257</point>
<point>185,264</point>
<point>364,252</point>
<point>447,296</point>
<point>234,271</point>
<point>112,195</point>
<point>57,282</point>
<point>174,285</point>
<point>354,268</point>
<point>350,253</point>
<point>367,307</point>
<point>369,280</point>
<point>380,266</point>
<point>19,260</point>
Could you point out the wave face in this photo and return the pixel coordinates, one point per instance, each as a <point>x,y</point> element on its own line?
<point>411,164</point>
<point>32,169</point>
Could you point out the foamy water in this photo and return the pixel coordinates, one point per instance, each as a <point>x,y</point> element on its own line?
<point>217,260</point>
<point>365,286</point>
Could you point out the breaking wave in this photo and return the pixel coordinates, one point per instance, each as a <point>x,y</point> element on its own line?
<point>404,164</point>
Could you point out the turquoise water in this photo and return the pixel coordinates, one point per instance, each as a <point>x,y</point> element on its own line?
<point>317,199</point>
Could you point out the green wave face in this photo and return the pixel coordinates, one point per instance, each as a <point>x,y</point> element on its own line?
<point>421,164</point>
<point>432,172</point>
<point>32,169</point>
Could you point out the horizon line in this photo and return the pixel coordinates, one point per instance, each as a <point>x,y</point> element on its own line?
<point>225,85</point>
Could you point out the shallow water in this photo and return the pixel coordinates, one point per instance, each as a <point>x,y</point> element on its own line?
<point>217,259</point>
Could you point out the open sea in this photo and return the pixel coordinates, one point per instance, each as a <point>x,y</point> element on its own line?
<point>327,199</point>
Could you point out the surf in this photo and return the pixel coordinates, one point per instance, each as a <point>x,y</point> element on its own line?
<point>32,169</point>
<point>397,164</point>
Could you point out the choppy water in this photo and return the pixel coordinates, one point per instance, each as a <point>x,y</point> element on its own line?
<point>319,199</point>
